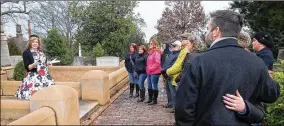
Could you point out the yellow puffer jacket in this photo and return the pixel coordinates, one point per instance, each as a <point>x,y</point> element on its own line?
<point>177,67</point>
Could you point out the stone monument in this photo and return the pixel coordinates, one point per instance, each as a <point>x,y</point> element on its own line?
<point>80,50</point>
<point>107,61</point>
<point>78,60</point>
<point>281,54</point>
<point>5,55</point>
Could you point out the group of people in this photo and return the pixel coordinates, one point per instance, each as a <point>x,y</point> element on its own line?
<point>141,64</point>
<point>225,85</point>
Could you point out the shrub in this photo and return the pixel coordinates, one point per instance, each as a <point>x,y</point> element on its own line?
<point>275,112</point>
<point>55,46</point>
<point>19,71</point>
<point>13,49</point>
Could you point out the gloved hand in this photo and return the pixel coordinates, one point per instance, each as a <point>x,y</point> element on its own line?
<point>36,63</point>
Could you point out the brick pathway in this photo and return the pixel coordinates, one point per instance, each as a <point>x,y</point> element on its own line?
<point>126,110</point>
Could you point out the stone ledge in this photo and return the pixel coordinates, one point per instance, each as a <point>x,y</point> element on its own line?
<point>81,68</point>
<point>14,108</point>
<point>42,116</point>
<point>9,88</point>
<point>8,68</point>
<point>87,108</point>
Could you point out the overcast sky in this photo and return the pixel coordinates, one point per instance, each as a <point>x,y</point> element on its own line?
<point>150,11</point>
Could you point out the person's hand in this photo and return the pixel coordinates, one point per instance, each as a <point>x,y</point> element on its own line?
<point>271,74</point>
<point>35,64</point>
<point>235,103</point>
<point>177,80</point>
<point>164,73</point>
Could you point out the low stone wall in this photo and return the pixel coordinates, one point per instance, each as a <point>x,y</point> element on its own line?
<point>118,86</point>
<point>74,73</point>
<point>9,88</point>
<point>95,87</point>
<point>15,60</point>
<point>4,75</point>
<point>9,72</point>
<point>117,76</point>
<point>42,116</point>
<point>54,105</point>
<point>14,108</point>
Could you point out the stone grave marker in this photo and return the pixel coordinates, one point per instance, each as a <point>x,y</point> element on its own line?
<point>107,61</point>
<point>5,55</point>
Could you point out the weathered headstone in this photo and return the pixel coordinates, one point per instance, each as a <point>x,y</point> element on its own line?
<point>78,61</point>
<point>107,61</point>
<point>5,55</point>
<point>281,54</point>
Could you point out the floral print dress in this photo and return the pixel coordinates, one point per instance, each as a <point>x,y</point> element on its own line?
<point>35,81</point>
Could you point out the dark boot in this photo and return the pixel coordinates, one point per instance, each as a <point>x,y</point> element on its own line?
<point>142,95</point>
<point>150,95</point>
<point>131,90</point>
<point>137,91</point>
<point>154,101</point>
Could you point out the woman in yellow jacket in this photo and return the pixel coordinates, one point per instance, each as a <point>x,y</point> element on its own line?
<point>189,44</point>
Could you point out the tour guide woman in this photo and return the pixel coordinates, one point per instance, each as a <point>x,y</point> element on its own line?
<point>37,76</point>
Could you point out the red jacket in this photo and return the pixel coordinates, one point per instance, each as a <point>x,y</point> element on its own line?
<point>154,62</point>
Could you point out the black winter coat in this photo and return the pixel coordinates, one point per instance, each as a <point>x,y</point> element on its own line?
<point>28,60</point>
<point>128,65</point>
<point>223,69</point>
<point>267,56</point>
<point>140,64</point>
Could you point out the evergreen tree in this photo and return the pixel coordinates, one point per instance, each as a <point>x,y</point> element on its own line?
<point>55,46</point>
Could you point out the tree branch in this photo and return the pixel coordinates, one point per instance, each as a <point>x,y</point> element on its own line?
<point>16,11</point>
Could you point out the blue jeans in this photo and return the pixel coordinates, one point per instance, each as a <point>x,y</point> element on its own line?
<point>132,78</point>
<point>152,81</point>
<point>141,80</point>
<point>171,92</point>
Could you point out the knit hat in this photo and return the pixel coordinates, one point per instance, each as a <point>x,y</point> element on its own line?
<point>264,39</point>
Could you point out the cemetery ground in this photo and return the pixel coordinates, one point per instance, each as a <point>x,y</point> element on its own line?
<point>126,111</point>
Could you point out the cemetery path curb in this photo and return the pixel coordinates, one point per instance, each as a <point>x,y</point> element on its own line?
<point>103,108</point>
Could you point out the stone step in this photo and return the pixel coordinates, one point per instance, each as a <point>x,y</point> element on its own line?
<point>87,108</point>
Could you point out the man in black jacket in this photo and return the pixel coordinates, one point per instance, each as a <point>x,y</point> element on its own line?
<point>223,69</point>
<point>171,90</point>
<point>262,44</point>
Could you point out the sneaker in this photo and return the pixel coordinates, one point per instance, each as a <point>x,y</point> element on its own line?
<point>170,110</point>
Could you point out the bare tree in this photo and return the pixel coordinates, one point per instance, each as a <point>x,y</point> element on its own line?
<point>179,17</point>
<point>54,14</point>
<point>13,10</point>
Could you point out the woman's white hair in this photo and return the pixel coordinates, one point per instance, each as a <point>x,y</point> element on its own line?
<point>244,39</point>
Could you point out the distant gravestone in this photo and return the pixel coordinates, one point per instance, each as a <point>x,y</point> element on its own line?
<point>5,55</point>
<point>281,54</point>
<point>107,61</point>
